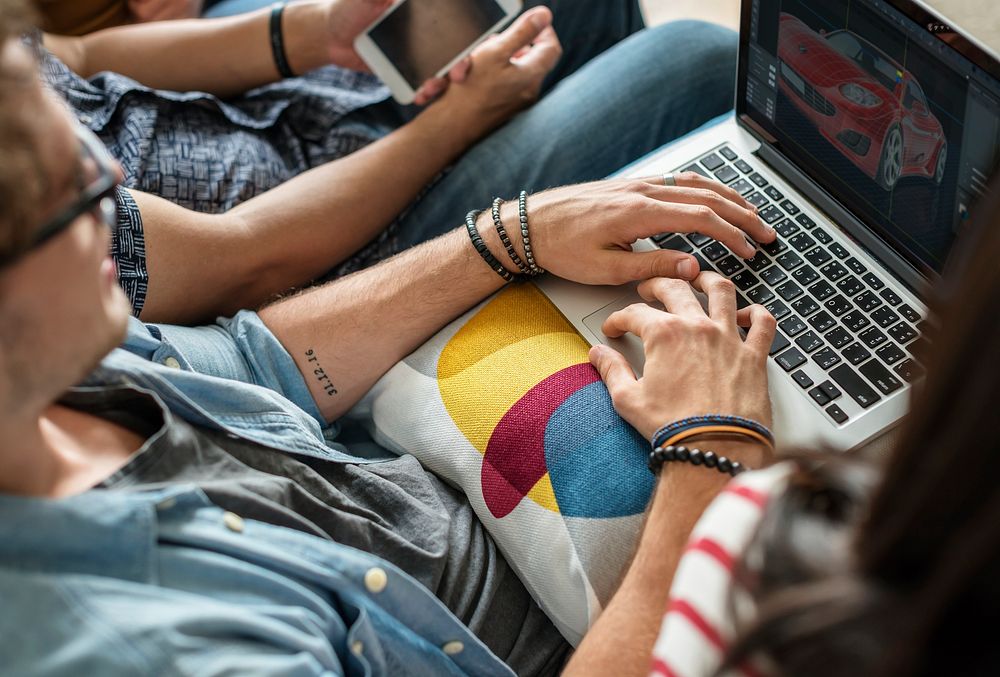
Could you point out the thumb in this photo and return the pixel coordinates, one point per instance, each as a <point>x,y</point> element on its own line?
<point>664,263</point>
<point>614,370</point>
<point>522,32</point>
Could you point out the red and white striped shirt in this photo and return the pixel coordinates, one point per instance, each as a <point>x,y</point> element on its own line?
<point>699,623</point>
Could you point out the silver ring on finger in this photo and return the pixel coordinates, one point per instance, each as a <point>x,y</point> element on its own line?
<point>669,180</point>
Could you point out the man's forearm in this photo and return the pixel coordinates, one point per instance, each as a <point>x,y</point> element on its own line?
<point>221,56</point>
<point>621,641</point>
<point>346,335</point>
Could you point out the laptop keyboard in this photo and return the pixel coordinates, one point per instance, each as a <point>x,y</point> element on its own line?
<point>830,308</point>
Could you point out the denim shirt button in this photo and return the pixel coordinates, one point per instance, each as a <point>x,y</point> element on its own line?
<point>376,580</point>
<point>166,504</point>
<point>453,648</point>
<point>172,363</point>
<point>358,648</point>
<point>233,522</point>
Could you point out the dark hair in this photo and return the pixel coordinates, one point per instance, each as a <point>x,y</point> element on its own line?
<point>902,580</point>
<point>20,180</point>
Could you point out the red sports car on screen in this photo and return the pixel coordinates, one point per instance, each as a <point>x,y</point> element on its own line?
<point>870,108</point>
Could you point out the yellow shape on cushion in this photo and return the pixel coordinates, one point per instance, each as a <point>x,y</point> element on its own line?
<point>516,313</point>
<point>478,397</point>
<point>543,494</point>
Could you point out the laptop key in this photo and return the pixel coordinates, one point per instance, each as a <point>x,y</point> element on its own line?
<point>880,377</point>
<point>742,186</point>
<point>802,379</point>
<point>873,338</point>
<point>789,207</point>
<point>902,333</point>
<point>805,275</point>
<point>805,306</point>
<point>839,251</point>
<point>801,242</point>
<point>850,285</point>
<point>785,228</point>
<point>744,280</point>
<point>675,242</point>
<point>838,337</point>
<point>818,256</point>
<point>822,236</point>
<point>779,343</point>
<point>855,386</point>
<point>792,325</point>
<point>712,162</point>
<point>822,321</point>
<point>868,301</point>
<point>729,266</point>
<point>855,353</point>
<point>790,359</point>
<point>773,275</point>
<point>789,290</point>
<point>703,263</point>
<point>836,413</point>
<point>890,297</point>
<point>873,281</point>
<point>819,396</point>
<point>774,248</point>
<point>789,260</point>
<point>909,370</point>
<point>760,294</point>
<point>770,214</point>
<point>856,265</point>
<point>714,251</point>
<point>855,321</point>
<point>728,153</point>
<point>759,262</point>
<point>909,313</point>
<point>805,221</point>
<point>822,290</point>
<point>809,342</point>
<point>697,239</point>
<point>758,180</point>
<point>756,199</point>
<point>826,358</point>
<point>884,317</point>
<point>777,308</point>
<point>833,271</point>
<point>890,353</point>
<point>696,169</point>
<point>837,305</point>
<point>774,193</point>
<point>832,391</point>
<point>726,174</point>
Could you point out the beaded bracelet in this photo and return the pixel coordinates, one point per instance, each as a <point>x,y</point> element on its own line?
<point>709,459</point>
<point>505,239</point>
<point>522,210</point>
<point>484,251</point>
<point>685,428</point>
<point>278,42</point>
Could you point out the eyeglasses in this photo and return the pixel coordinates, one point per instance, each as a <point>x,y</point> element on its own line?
<point>99,178</point>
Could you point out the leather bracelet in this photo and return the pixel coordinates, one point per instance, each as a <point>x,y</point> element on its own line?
<point>671,432</point>
<point>708,459</point>
<point>278,42</point>
<point>505,239</point>
<point>484,251</point>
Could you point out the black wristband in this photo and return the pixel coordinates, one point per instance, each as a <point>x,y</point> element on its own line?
<point>278,42</point>
<point>484,251</point>
<point>505,239</point>
<point>708,459</point>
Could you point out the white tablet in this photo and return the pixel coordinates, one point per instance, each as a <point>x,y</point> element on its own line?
<point>421,39</point>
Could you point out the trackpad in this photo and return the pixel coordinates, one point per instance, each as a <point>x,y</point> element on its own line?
<point>628,345</point>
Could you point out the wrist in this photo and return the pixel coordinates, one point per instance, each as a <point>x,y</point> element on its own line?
<point>304,27</point>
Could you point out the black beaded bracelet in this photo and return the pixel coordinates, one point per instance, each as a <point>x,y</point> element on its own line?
<point>709,459</point>
<point>278,42</point>
<point>505,239</point>
<point>484,251</point>
<point>522,210</point>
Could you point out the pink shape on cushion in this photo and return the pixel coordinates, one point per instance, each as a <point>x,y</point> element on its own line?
<point>515,455</point>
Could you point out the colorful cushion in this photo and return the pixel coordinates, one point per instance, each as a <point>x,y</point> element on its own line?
<point>504,403</point>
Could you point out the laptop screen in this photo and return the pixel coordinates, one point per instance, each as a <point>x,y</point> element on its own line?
<point>881,112</point>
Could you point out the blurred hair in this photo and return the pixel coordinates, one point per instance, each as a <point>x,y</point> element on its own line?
<point>21,183</point>
<point>902,579</point>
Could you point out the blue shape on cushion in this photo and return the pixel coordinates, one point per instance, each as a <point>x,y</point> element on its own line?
<point>596,461</point>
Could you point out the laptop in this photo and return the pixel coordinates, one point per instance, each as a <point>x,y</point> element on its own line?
<point>864,131</point>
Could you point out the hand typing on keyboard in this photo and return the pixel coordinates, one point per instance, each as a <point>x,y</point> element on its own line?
<point>696,360</point>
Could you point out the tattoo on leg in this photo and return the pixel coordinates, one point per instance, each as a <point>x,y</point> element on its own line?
<point>320,374</point>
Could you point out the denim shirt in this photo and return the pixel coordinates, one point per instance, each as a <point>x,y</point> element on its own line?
<point>163,582</point>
